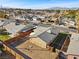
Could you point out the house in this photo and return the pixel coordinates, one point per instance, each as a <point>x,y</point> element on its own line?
<point>44,35</point>
<point>73,49</point>
<point>13,28</point>
<point>19,33</point>
<point>20,17</point>
<point>40,37</point>
<point>35,20</point>
<point>58,29</point>
<point>67,22</point>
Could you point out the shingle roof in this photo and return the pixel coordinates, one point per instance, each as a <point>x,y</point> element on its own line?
<point>26,28</point>
<point>47,37</point>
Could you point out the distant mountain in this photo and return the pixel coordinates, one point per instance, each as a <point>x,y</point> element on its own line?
<point>63,8</point>
<point>52,8</point>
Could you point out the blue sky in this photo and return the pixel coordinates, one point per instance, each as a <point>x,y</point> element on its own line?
<point>39,4</point>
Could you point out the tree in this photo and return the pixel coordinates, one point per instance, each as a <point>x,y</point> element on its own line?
<point>58,11</point>
<point>2,14</point>
<point>1,46</point>
<point>6,16</point>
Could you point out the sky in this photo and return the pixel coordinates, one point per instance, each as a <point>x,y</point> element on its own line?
<point>39,4</point>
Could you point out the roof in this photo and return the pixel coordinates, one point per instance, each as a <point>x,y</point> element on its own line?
<point>13,29</point>
<point>26,28</point>
<point>58,41</point>
<point>45,25</point>
<point>39,30</point>
<point>47,37</point>
<point>74,45</point>
<point>58,29</point>
<point>1,23</point>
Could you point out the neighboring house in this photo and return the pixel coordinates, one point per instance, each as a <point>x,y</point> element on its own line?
<point>54,20</point>
<point>42,36</point>
<point>39,35</point>
<point>35,20</point>
<point>73,49</point>
<point>21,33</point>
<point>13,28</point>
<point>58,29</point>
<point>67,22</point>
<point>43,39</point>
<point>1,23</point>
<point>20,17</point>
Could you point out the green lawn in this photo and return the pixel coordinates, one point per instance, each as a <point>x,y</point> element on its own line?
<point>4,37</point>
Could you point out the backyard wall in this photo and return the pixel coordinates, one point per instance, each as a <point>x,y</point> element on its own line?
<point>15,52</point>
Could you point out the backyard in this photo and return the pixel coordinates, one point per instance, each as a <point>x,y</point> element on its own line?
<point>36,52</point>
<point>4,37</point>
